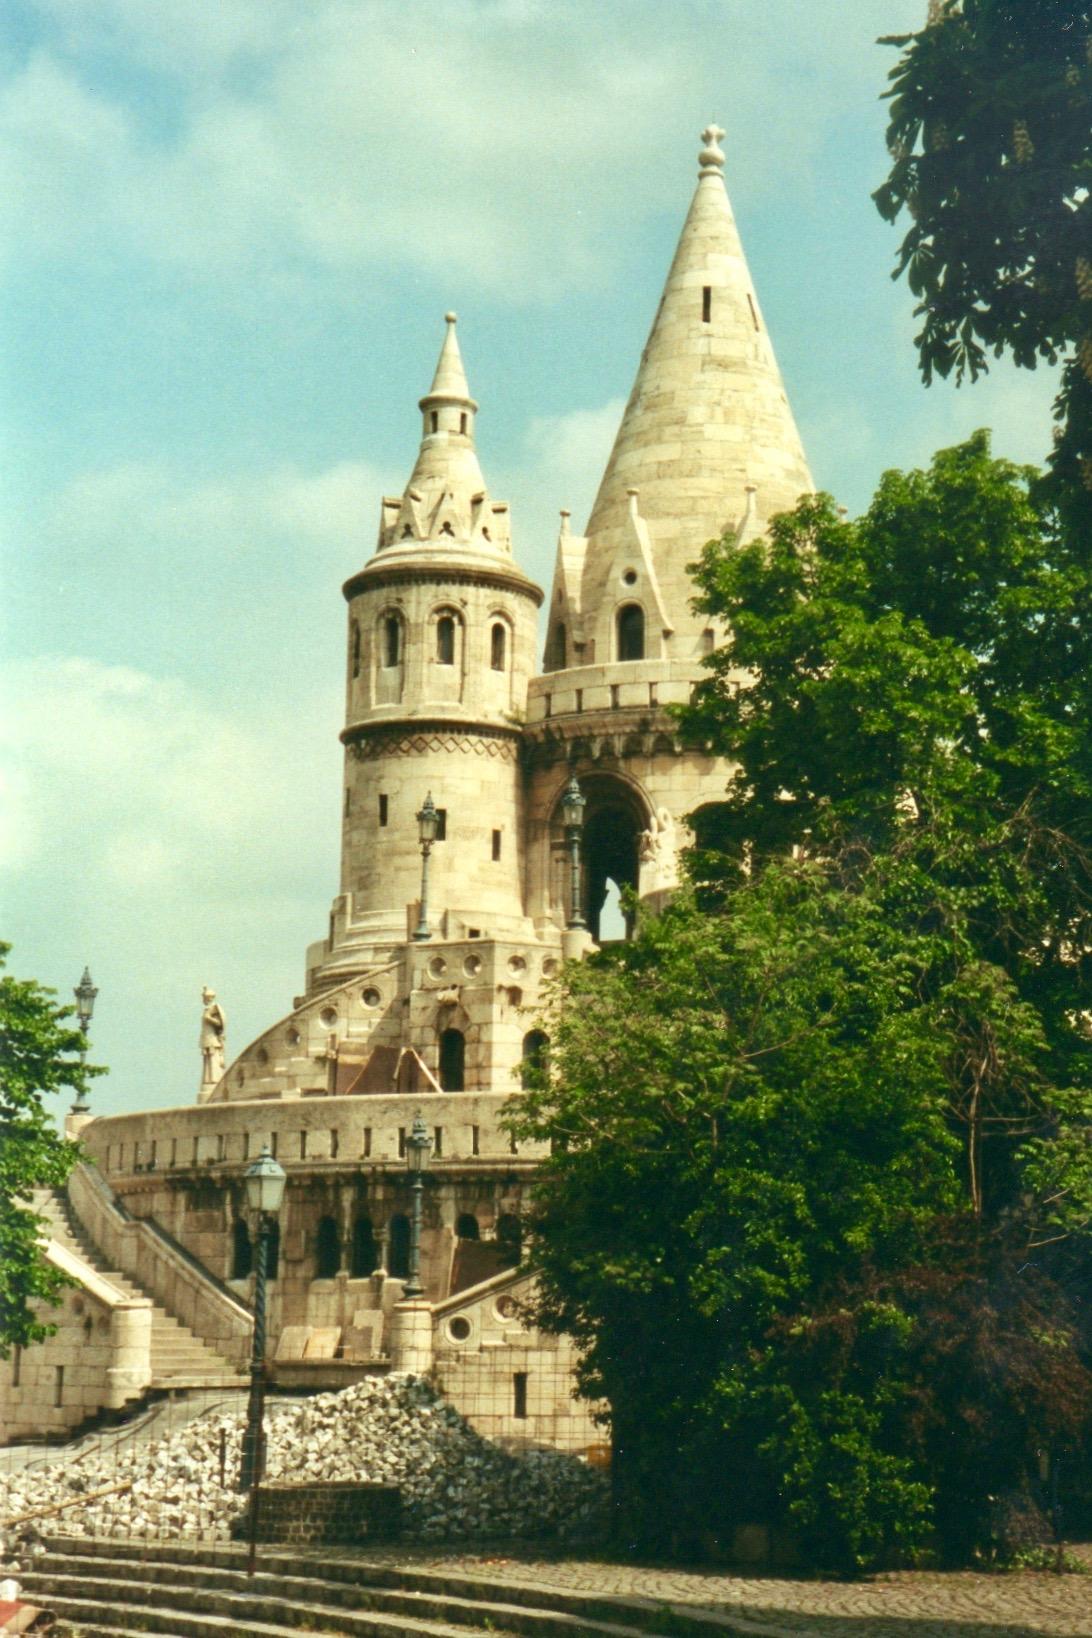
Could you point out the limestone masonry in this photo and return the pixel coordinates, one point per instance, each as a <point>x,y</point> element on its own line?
<point>443,698</point>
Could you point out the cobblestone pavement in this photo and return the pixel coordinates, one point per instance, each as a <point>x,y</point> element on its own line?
<point>900,1604</point>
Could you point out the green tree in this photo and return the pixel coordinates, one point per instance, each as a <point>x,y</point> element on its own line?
<point>821,1178</point>
<point>36,1058</point>
<point>990,135</point>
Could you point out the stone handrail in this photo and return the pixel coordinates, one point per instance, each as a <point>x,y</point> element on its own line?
<point>177,1282</point>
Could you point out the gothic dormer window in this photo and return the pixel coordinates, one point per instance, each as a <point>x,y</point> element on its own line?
<point>631,632</point>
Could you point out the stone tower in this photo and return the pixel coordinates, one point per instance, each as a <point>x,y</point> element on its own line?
<point>441,650</point>
<point>707,444</point>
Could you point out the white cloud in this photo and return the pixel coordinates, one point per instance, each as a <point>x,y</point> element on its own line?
<point>505,144</point>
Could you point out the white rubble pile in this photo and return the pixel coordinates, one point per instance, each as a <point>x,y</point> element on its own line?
<point>391,1430</point>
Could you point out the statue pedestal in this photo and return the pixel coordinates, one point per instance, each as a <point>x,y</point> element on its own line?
<point>576,943</point>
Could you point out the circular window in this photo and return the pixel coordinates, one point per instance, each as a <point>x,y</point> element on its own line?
<point>549,967</point>
<point>437,966</point>
<point>371,997</point>
<point>516,964</point>
<point>472,966</point>
<point>328,1015</point>
<point>292,1036</point>
<point>459,1328</point>
<point>630,577</point>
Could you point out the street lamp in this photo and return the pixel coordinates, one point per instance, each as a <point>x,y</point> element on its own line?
<point>85,993</point>
<point>428,828</point>
<point>418,1149</point>
<point>264,1193</point>
<point>573,803</point>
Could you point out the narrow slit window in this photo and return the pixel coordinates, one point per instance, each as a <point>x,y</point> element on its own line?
<point>58,1391</point>
<point>348,801</point>
<point>445,640</point>
<point>614,696</point>
<point>367,1147</point>
<point>382,807</point>
<point>303,1144</point>
<point>392,640</point>
<point>706,303</point>
<point>434,420</point>
<point>475,1140</point>
<point>437,1142</point>
<point>496,845</point>
<point>519,1395</point>
<point>462,423</point>
<point>497,647</point>
<point>401,1143</point>
<point>356,649</point>
<point>754,311</point>
<point>441,824</point>
<point>580,699</point>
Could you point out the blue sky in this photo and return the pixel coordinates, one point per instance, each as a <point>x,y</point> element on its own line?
<point>231,234</point>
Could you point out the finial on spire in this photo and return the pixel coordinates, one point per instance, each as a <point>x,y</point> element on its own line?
<point>711,158</point>
<point>451,318</point>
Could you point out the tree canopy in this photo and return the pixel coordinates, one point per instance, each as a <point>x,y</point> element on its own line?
<point>38,1056</point>
<point>819,1199</point>
<point>990,135</point>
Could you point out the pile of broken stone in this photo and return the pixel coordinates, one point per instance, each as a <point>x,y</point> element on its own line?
<point>455,1485</point>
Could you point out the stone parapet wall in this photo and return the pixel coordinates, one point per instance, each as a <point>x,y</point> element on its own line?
<point>341,1513</point>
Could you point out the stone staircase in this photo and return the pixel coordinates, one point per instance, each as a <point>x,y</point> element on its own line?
<point>118,1589</point>
<point>179,1358</point>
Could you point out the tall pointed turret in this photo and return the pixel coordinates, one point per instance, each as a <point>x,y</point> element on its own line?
<point>707,418</point>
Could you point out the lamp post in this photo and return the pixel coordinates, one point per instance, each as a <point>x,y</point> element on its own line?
<point>85,993</point>
<point>418,1149</point>
<point>264,1193</point>
<point>428,826</point>
<point>573,803</point>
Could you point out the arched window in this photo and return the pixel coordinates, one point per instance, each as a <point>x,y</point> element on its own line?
<point>392,640</point>
<point>356,649</point>
<point>556,648</point>
<point>452,1060</point>
<point>466,1226</point>
<point>536,1047</point>
<point>365,1252</point>
<point>398,1236</point>
<point>327,1249</point>
<point>497,646</point>
<point>509,1237</point>
<point>273,1252</point>
<point>242,1252</point>
<point>631,632</point>
<point>445,640</point>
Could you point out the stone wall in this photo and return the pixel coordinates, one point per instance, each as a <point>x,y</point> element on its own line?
<point>338,1514</point>
<point>98,1358</point>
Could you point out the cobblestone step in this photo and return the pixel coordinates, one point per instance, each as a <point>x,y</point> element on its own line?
<point>348,1595</point>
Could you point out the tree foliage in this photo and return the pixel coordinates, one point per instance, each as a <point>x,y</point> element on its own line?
<point>36,1058</point>
<point>990,135</point>
<point>818,1203</point>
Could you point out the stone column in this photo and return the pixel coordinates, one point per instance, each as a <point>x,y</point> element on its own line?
<point>411,1336</point>
<point>130,1370</point>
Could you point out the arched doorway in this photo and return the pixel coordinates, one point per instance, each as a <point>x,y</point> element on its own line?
<point>452,1060</point>
<point>613,822</point>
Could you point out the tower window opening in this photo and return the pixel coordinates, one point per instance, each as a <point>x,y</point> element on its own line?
<point>434,420</point>
<point>273,1252</point>
<point>580,699</point>
<point>348,800</point>
<point>475,1140</point>
<point>497,647</point>
<point>453,1060</point>
<point>365,1258</point>
<point>536,1049</point>
<point>556,648</point>
<point>401,1143</point>
<point>356,649</point>
<point>327,1249</point>
<point>58,1390</point>
<point>16,1366</point>
<point>445,640</point>
<point>614,696</point>
<point>548,705</point>
<point>383,807</point>
<point>754,313</point>
<point>466,1227</point>
<point>519,1395</point>
<point>367,1145</point>
<point>496,845</point>
<point>706,303</point>
<point>398,1245</point>
<point>441,824</point>
<point>392,640</point>
<point>631,632</point>
<point>437,1142</point>
<point>303,1143</point>
<point>708,640</point>
<point>462,423</point>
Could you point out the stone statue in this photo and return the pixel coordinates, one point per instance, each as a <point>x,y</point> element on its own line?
<point>213,1028</point>
<point>659,858</point>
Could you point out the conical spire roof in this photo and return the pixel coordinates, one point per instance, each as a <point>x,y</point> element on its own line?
<point>707,417</point>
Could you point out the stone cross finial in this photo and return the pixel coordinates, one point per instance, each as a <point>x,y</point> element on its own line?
<point>711,157</point>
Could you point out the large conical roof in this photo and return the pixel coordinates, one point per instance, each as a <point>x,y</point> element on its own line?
<point>707,418</point>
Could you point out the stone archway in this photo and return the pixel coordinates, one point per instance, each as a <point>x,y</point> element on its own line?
<point>615,815</point>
